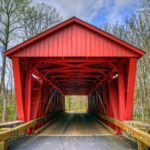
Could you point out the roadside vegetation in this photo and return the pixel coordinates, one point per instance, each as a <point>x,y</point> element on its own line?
<point>76,103</point>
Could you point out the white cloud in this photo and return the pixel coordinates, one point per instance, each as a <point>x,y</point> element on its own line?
<point>115,15</point>
<point>123,3</point>
<point>89,9</point>
<point>84,9</point>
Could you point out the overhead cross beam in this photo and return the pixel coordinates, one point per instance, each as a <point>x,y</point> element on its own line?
<point>101,82</point>
<point>45,78</point>
<point>77,60</point>
<point>88,72</point>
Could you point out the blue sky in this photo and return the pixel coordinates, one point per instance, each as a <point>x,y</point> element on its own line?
<point>97,12</point>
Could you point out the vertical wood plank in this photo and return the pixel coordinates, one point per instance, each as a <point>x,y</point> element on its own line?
<point>37,102</point>
<point>28,94</point>
<point>131,78</point>
<point>121,91</point>
<point>18,88</point>
<point>114,98</point>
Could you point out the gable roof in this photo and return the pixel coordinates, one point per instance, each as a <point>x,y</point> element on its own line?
<point>15,49</point>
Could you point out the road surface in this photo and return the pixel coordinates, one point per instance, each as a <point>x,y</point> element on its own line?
<point>75,124</point>
<point>74,131</point>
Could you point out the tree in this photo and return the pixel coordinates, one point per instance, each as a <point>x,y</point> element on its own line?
<point>38,18</point>
<point>137,32</point>
<point>20,17</point>
<point>9,10</point>
<point>140,28</point>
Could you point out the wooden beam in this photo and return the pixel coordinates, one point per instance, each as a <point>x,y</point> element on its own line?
<point>114,101</point>
<point>102,104</point>
<point>18,88</point>
<point>106,99</point>
<point>28,94</point>
<point>65,70</point>
<point>105,79</point>
<point>121,91</point>
<point>131,78</point>
<point>53,85</point>
<point>114,98</point>
<point>38,73</point>
<point>37,101</point>
<point>49,102</point>
<point>77,60</point>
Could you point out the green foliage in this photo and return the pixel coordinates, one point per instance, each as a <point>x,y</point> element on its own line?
<point>11,109</point>
<point>68,103</point>
<point>11,112</point>
<point>1,108</point>
<point>76,103</point>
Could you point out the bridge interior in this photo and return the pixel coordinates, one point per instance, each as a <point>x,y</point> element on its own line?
<point>42,83</point>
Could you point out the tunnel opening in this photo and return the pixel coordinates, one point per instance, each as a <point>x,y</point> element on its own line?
<point>76,104</point>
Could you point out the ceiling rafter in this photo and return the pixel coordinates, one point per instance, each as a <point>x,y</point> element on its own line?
<point>37,73</point>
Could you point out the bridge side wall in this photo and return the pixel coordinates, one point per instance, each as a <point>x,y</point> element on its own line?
<point>116,97</point>
<point>34,96</point>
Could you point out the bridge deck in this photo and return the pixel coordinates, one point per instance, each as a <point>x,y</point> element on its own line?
<point>76,131</point>
<point>75,124</point>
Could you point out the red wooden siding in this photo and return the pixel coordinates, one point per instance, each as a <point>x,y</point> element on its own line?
<point>75,40</point>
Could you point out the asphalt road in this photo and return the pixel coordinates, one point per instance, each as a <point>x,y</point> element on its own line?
<point>75,131</point>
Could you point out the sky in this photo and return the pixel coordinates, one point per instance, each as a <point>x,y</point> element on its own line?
<point>96,12</point>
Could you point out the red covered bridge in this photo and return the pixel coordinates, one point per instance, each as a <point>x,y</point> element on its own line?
<point>74,58</point>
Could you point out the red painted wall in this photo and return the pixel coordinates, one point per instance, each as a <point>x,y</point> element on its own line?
<point>75,40</point>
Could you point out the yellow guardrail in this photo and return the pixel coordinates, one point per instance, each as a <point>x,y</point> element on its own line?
<point>16,132</point>
<point>143,138</point>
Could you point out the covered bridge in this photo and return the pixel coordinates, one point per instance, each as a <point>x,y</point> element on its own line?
<point>74,58</point>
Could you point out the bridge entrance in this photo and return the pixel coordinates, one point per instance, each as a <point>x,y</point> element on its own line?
<point>74,58</point>
<point>76,103</point>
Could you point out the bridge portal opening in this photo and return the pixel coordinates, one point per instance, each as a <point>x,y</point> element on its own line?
<point>43,86</point>
<point>76,104</point>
